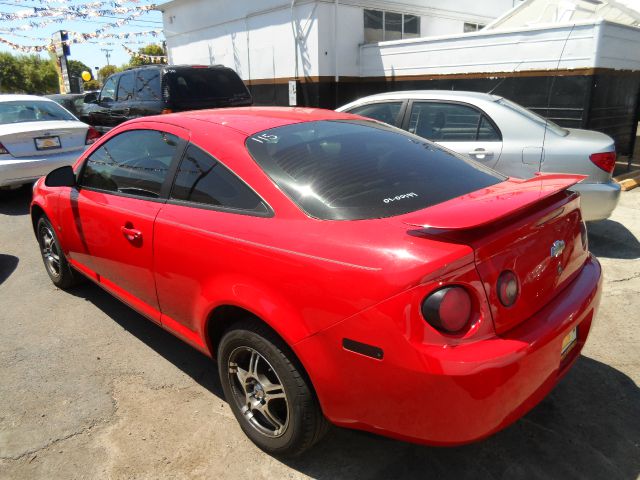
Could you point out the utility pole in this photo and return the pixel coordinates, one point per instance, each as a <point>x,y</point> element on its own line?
<point>107,53</point>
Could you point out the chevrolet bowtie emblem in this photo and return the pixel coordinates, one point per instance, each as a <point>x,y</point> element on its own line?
<point>557,248</point>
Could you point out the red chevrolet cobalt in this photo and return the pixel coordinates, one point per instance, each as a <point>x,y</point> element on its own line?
<point>338,269</point>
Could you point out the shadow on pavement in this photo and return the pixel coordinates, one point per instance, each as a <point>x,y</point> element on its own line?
<point>588,428</point>
<point>195,364</point>
<point>8,264</point>
<point>15,202</point>
<point>610,239</point>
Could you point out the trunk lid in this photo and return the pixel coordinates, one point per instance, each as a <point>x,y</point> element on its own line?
<point>530,227</point>
<point>20,138</point>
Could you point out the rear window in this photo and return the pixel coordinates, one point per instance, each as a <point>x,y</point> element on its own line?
<point>354,170</point>
<point>201,84</point>
<point>32,111</point>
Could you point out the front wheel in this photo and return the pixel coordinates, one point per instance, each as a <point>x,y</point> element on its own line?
<point>268,393</point>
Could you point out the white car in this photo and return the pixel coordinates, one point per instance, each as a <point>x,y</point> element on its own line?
<point>504,136</point>
<point>36,136</point>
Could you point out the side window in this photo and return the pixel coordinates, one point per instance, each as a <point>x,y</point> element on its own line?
<point>444,122</point>
<point>147,84</point>
<point>125,87</point>
<point>202,179</point>
<point>108,93</point>
<point>134,162</point>
<point>487,131</point>
<point>385,112</point>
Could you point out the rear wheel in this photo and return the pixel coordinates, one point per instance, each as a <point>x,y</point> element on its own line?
<point>55,263</point>
<point>268,393</point>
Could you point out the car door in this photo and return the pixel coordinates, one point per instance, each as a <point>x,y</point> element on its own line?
<point>460,127</point>
<point>148,93</point>
<point>390,112</point>
<point>121,108</point>
<point>107,220</point>
<point>100,114</point>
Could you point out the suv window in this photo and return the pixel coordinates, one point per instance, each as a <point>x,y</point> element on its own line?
<point>135,162</point>
<point>352,170</point>
<point>125,87</point>
<point>195,85</point>
<point>108,92</point>
<point>202,179</point>
<point>450,122</point>
<point>386,112</point>
<point>148,84</point>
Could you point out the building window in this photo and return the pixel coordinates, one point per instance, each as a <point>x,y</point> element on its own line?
<point>380,26</point>
<point>473,27</point>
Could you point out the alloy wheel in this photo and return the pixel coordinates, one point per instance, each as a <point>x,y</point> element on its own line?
<point>258,392</point>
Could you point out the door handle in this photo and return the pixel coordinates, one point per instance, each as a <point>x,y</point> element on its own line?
<point>131,234</point>
<point>481,152</point>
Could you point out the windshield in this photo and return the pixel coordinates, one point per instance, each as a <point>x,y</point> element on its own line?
<point>352,170</point>
<point>555,128</point>
<point>32,111</point>
<point>194,85</point>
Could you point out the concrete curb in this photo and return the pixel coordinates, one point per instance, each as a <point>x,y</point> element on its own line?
<point>628,181</point>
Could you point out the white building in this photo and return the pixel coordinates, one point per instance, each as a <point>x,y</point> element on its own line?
<point>575,61</point>
<point>270,42</point>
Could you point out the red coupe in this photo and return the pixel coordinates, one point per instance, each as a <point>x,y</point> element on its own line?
<point>338,269</point>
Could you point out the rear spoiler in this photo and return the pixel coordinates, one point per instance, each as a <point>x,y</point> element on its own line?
<point>493,203</point>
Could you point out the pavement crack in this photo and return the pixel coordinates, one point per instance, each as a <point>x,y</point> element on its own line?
<point>49,444</point>
<point>626,279</point>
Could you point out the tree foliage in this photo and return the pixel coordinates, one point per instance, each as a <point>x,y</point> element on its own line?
<point>91,85</point>
<point>76,68</point>
<point>106,71</point>
<point>27,74</point>
<point>151,49</point>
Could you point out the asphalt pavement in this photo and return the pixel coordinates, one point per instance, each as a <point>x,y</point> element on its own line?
<point>90,389</point>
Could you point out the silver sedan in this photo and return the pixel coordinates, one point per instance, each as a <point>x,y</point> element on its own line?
<point>504,136</point>
<point>36,136</point>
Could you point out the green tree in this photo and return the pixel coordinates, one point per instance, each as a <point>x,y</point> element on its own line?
<point>91,85</point>
<point>27,74</point>
<point>10,74</point>
<point>76,68</point>
<point>107,71</point>
<point>151,49</point>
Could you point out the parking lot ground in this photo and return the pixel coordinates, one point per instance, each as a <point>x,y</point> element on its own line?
<point>90,389</point>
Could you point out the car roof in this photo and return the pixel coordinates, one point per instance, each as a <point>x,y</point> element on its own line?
<point>429,94</point>
<point>9,97</point>
<point>250,120</point>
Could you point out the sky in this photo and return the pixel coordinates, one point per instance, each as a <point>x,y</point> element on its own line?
<point>89,53</point>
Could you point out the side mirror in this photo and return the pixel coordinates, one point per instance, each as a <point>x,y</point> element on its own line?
<point>61,177</point>
<point>91,98</point>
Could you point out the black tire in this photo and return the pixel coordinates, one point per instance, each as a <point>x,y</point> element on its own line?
<point>55,263</point>
<point>290,425</point>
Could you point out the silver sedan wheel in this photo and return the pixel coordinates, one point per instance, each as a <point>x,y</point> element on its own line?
<point>50,250</point>
<point>258,392</point>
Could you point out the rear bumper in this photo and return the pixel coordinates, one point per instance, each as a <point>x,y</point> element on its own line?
<point>448,395</point>
<point>18,171</point>
<point>597,200</point>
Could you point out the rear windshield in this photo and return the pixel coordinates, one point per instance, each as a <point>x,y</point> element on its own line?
<point>191,85</point>
<point>353,170</point>
<point>525,112</point>
<point>32,111</point>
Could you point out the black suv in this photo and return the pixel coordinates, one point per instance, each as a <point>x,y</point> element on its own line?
<point>155,89</point>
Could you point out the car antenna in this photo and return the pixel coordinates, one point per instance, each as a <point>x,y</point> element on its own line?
<point>553,81</point>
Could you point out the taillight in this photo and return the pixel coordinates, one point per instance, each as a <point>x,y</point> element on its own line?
<point>584,236</point>
<point>3,151</point>
<point>508,288</point>
<point>165,111</point>
<point>92,136</point>
<point>605,160</point>
<point>448,309</point>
